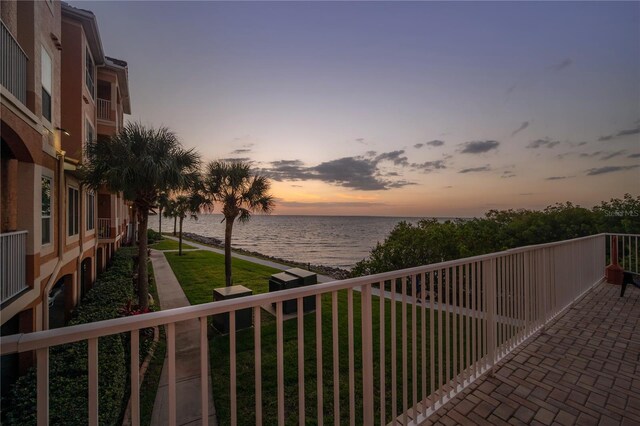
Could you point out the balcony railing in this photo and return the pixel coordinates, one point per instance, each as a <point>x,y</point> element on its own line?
<point>104,109</point>
<point>13,65</point>
<point>104,228</point>
<point>449,323</point>
<point>13,266</point>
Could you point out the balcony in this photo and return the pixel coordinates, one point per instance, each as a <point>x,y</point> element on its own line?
<point>13,268</point>
<point>13,65</point>
<point>104,228</point>
<point>104,109</point>
<point>450,323</point>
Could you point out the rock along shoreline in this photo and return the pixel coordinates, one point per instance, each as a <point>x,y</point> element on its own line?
<point>336,273</point>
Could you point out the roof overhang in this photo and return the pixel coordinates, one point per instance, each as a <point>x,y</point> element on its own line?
<point>90,25</point>
<point>121,69</point>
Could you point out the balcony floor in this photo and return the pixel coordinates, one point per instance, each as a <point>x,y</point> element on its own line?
<point>585,369</point>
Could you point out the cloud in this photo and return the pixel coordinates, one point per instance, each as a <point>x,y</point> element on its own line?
<point>523,126</point>
<point>557,177</point>
<point>479,147</point>
<point>418,145</point>
<point>636,155</point>
<point>361,140</point>
<point>241,151</point>
<point>621,133</point>
<point>562,65</point>
<point>592,154</point>
<point>237,160</point>
<point>429,166</point>
<point>610,169</point>
<point>359,173</point>
<point>613,154</point>
<point>476,169</point>
<point>508,174</point>
<point>435,142</point>
<point>371,153</point>
<point>511,88</point>
<point>395,156</point>
<point>539,143</point>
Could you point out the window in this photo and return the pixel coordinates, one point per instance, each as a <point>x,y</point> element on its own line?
<point>89,68</point>
<point>91,210</point>
<point>89,136</point>
<point>46,210</point>
<point>46,84</point>
<point>72,212</point>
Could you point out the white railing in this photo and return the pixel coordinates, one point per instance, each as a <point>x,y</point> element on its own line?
<point>627,248</point>
<point>13,266</point>
<point>13,65</point>
<point>104,227</point>
<point>458,319</point>
<point>104,109</point>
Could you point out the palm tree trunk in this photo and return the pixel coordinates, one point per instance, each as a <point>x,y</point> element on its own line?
<point>228,229</point>
<point>143,279</point>
<point>180,238</point>
<point>134,231</point>
<point>175,219</point>
<point>160,220</point>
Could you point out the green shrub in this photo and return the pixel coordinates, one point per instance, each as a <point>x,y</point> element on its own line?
<point>68,404</point>
<point>153,236</point>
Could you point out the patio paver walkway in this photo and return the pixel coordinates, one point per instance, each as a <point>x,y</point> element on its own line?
<point>187,355</point>
<point>584,369</point>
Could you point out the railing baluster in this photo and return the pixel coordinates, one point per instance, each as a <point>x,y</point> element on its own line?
<point>319,372</point>
<point>383,385</point>
<point>92,365</point>
<point>336,354</point>
<point>455,328</point>
<point>135,377</point>
<point>414,348</point>
<point>280,361</point>
<point>300,315</point>
<point>204,369</point>
<point>257,347</point>
<point>432,355</point>
<point>423,352</point>
<point>232,368</point>
<point>171,347</point>
<point>447,335</point>
<point>394,359</point>
<point>404,350</point>
<point>352,382</point>
<point>367,355</point>
<point>42,359</point>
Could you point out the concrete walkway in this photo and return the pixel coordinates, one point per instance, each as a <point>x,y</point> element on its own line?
<point>187,355</point>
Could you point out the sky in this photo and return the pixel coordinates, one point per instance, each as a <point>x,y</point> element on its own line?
<point>395,108</point>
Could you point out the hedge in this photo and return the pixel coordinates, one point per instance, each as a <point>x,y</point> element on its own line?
<point>68,402</point>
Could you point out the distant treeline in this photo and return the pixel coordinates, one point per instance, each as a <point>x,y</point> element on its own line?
<point>428,241</point>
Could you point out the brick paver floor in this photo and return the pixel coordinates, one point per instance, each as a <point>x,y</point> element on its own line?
<point>584,369</point>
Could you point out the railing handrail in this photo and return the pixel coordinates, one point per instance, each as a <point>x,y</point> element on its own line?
<point>42,339</point>
<point>6,234</point>
<point>14,39</point>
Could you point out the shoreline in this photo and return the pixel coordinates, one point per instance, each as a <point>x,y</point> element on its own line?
<point>336,273</point>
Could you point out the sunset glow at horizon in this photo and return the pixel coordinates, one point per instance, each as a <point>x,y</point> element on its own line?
<point>443,109</point>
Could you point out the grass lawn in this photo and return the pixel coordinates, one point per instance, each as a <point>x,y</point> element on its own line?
<point>199,272</point>
<point>168,244</point>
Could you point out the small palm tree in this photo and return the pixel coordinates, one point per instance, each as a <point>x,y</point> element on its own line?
<point>241,193</point>
<point>163,201</point>
<point>183,206</point>
<point>141,162</point>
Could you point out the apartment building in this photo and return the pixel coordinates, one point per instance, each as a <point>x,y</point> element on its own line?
<point>58,92</point>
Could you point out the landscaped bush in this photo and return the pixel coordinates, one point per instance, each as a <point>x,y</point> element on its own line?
<point>153,236</point>
<point>68,363</point>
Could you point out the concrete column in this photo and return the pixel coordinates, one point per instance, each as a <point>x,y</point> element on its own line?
<point>9,201</point>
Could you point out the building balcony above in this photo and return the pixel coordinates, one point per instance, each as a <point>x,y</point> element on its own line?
<point>13,68</point>
<point>104,110</point>
<point>13,265</point>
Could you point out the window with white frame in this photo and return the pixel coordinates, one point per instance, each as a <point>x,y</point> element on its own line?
<point>73,212</point>
<point>46,81</point>
<point>47,198</point>
<point>91,210</point>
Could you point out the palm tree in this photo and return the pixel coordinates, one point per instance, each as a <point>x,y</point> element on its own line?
<point>241,193</point>
<point>182,206</point>
<point>163,201</point>
<point>141,162</point>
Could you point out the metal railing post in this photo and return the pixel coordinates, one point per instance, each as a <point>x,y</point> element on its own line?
<point>367,355</point>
